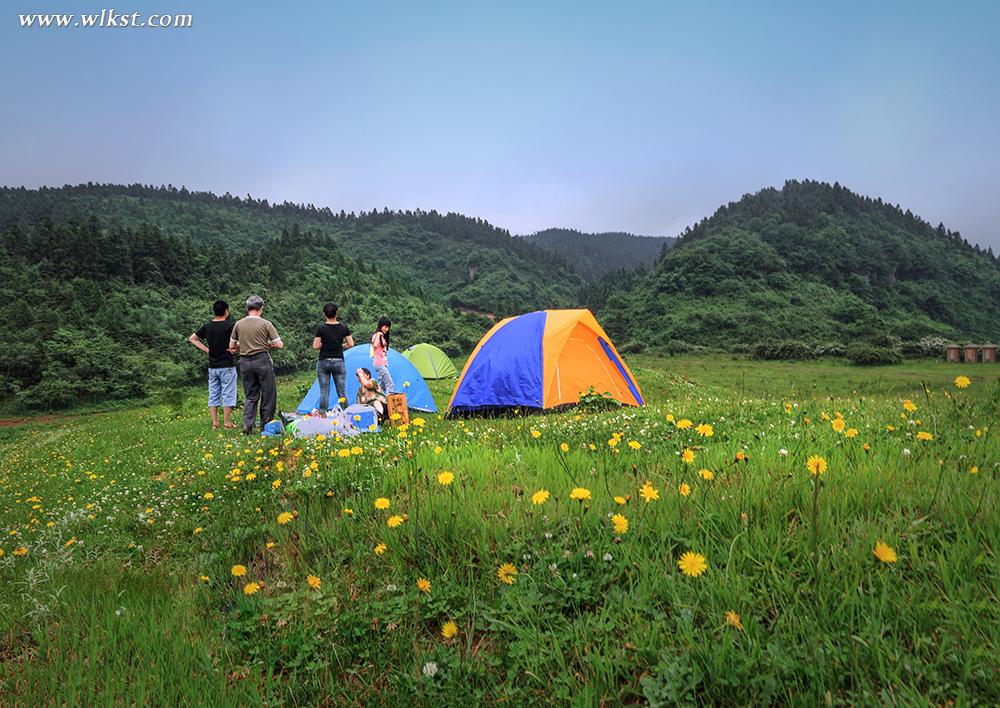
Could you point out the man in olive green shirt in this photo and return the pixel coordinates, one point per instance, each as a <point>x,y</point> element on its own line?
<point>253,338</point>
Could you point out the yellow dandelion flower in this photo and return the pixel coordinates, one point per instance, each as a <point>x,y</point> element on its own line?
<point>706,475</point>
<point>21,551</point>
<point>208,495</point>
<point>506,572</point>
<point>909,406</point>
<point>851,433</point>
<point>688,455</point>
<point>394,521</point>
<point>705,430</point>
<point>536,434</point>
<point>564,447</point>
<point>733,620</point>
<point>381,503</point>
<point>692,564</point>
<point>449,629</point>
<point>884,552</point>
<point>962,382</point>
<point>285,517</point>
<point>816,465</point>
<point>580,494</point>
<point>649,492</point>
<point>684,424</point>
<point>620,523</point>
<point>313,581</point>
<point>684,489</point>
<point>423,585</point>
<point>446,478</point>
<point>238,571</point>
<point>380,549</point>
<point>635,444</point>
<point>925,436</point>
<point>540,497</point>
<point>621,501</point>
<point>251,588</point>
<point>974,469</point>
<point>670,417</point>
<point>838,425</point>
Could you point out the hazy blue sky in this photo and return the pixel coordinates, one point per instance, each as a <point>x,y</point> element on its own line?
<point>595,115</point>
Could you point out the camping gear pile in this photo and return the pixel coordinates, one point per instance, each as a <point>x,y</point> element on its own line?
<point>345,423</point>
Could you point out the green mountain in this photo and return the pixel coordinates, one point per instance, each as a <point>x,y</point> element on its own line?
<point>812,262</point>
<point>595,255</point>
<point>460,261</point>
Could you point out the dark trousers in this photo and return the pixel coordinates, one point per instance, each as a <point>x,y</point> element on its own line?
<point>258,385</point>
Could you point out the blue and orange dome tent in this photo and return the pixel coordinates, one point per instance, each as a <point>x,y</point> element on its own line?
<point>542,360</point>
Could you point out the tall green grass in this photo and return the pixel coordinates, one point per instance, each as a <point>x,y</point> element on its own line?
<point>142,606</point>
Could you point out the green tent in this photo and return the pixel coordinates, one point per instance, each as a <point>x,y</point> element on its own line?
<point>431,362</point>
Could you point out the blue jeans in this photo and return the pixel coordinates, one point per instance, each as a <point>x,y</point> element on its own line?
<point>222,387</point>
<point>325,368</point>
<point>385,381</point>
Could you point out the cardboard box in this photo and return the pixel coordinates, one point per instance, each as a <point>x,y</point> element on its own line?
<point>397,404</point>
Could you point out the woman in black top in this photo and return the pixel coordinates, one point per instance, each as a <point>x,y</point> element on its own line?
<point>330,339</point>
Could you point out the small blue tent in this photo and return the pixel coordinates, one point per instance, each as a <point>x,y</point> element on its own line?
<point>404,374</point>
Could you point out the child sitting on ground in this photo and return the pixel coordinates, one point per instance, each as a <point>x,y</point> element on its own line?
<point>369,392</point>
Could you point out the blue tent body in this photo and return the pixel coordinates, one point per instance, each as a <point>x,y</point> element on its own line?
<point>404,374</point>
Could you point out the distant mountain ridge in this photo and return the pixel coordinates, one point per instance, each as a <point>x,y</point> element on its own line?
<point>596,254</point>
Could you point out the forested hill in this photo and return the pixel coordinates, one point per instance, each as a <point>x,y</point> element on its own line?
<point>457,260</point>
<point>594,255</point>
<point>812,262</point>
<point>93,312</point>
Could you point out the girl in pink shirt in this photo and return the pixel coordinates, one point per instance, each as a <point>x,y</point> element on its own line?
<point>380,358</point>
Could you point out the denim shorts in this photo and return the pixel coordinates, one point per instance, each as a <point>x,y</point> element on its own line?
<point>222,387</point>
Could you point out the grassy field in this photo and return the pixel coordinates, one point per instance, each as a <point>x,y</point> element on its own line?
<point>147,559</point>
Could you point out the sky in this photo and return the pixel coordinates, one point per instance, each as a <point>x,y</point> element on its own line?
<point>600,116</point>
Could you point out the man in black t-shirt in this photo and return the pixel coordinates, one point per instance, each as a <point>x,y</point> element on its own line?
<point>221,367</point>
<point>331,336</point>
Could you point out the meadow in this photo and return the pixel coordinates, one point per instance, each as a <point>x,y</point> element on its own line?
<point>760,533</point>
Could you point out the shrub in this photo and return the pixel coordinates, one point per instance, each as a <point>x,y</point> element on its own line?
<point>783,349</point>
<point>865,354</point>
<point>931,347</point>
<point>632,347</point>
<point>830,349</point>
<point>679,346</point>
